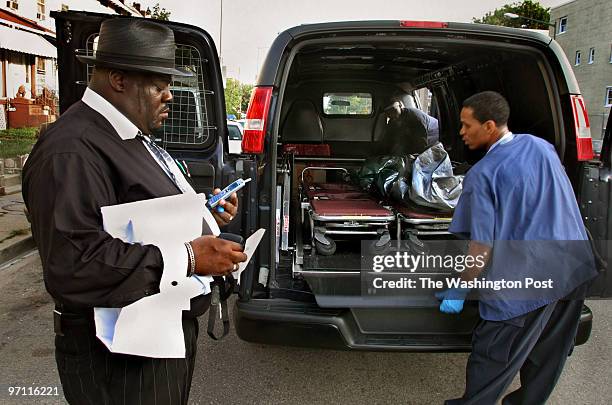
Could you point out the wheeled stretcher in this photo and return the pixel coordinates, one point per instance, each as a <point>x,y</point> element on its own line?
<point>339,210</point>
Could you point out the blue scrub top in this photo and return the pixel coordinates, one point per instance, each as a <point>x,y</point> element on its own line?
<point>520,192</point>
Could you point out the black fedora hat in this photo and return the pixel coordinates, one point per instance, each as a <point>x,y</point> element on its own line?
<point>135,45</point>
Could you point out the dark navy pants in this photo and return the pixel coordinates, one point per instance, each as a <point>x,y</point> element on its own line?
<point>535,344</point>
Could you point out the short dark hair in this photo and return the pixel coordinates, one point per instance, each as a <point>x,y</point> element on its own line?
<point>489,105</point>
<point>392,101</point>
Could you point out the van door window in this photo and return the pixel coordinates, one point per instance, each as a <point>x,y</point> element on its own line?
<point>427,102</point>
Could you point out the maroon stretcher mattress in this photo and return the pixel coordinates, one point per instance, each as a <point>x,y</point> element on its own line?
<point>422,212</point>
<point>349,208</point>
<point>336,195</point>
<point>339,187</point>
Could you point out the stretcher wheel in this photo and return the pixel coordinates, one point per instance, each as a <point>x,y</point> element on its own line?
<point>382,244</point>
<point>377,248</point>
<point>415,245</point>
<point>326,250</point>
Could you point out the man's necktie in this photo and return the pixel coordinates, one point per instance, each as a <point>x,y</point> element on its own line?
<point>166,162</point>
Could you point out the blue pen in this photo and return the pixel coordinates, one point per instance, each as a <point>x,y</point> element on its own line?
<point>213,200</point>
<point>219,208</point>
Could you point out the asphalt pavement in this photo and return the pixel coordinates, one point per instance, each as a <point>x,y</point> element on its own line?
<point>15,235</point>
<point>237,372</point>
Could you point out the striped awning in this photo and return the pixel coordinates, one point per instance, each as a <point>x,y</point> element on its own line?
<point>26,42</point>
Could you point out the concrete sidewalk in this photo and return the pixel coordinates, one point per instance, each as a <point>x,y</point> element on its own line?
<point>15,234</point>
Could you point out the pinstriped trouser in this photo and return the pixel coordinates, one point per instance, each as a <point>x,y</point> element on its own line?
<point>90,374</point>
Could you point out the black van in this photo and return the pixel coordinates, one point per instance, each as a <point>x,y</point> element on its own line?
<point>318,102</point>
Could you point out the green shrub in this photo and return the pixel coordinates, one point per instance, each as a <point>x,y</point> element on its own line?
<point>15,142</point>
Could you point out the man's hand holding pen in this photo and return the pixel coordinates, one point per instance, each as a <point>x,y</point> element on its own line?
<point>228,211</point>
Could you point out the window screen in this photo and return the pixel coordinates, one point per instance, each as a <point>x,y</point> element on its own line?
<point>347,104</point>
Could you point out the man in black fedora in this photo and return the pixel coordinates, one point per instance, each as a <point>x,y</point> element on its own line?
<point>98,154</point>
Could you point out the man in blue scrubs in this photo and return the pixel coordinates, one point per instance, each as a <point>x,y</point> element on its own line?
<point>518,192</point>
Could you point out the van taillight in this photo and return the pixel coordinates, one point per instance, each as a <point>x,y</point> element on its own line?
<point>423,24</point>
<point>584,142</point>
<point>256,120</point>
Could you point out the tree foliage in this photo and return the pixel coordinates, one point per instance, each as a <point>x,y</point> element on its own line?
<point>237,96</point>
<point>527,8</point>
<point>246,90</point>
<point>159,13</point>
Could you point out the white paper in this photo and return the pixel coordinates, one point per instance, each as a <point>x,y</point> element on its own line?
<point>151,326</point>
<point>250,246</point>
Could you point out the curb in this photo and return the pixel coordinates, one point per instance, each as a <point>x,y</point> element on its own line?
<point>16,249</point>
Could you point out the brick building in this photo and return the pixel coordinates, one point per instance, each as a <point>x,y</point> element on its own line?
<point>28,68</point>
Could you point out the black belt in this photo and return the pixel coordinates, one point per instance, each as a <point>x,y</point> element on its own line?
<point>68,317</point>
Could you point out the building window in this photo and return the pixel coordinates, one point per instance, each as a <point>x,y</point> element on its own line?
<point>609,96</point>
<point>40,9</point>
<point>591,55</point>
<point>562,25</point>
<point>40,65</point>
<point>578,57</point>
<point>12,4</point>
<point>610,53</point>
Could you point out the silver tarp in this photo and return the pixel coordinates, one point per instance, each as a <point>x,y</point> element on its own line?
<point>433,182</point>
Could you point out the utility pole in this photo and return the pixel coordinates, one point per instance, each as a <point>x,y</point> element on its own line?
<point>221,34</point>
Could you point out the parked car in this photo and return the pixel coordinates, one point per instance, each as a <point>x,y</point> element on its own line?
<point>292,293</point>
<point>234,138</point>
<point>597,144</point>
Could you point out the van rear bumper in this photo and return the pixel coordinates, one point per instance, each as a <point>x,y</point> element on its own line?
<point>290,323</point>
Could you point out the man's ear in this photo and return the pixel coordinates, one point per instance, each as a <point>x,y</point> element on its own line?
<point>117,80</point>
<point>490,126</point>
